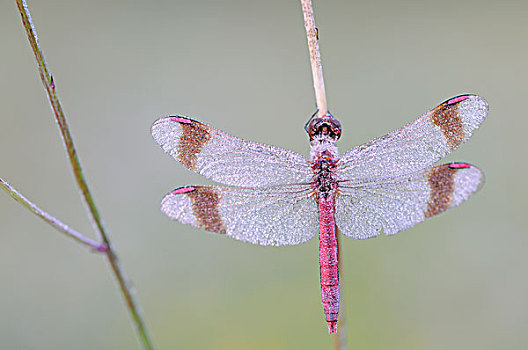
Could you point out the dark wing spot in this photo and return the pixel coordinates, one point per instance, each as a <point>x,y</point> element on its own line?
<point>193,138</point>
<point>441,183</point>
<point>447,118</point>
<point>205,203</point>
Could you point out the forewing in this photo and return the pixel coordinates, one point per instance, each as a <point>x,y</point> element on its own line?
<point>227,159</point>
<point>364,209</point>
<point>417,145</point>
<point>275,216</point>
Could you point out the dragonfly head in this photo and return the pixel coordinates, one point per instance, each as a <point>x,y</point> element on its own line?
<point>323,127</point>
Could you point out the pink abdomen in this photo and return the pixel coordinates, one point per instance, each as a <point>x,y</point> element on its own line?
<point>328,261</point>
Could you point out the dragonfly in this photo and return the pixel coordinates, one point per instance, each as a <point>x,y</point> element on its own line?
<point>275,197</point>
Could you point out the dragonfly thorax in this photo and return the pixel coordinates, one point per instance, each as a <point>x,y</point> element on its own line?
<point>324,157</point>
<point>324,132</point>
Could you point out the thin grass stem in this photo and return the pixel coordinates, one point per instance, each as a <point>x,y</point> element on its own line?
<point>49,86</point>
<point>56,223</point>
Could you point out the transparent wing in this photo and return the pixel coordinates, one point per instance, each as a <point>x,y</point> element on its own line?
<point>363,209</point>
<point>280,215</point>
<point>227,159</point>
<point>417,145</point>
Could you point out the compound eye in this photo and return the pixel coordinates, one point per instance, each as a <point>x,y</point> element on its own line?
<point>314,125</point>
<point>337,131</point>
<point>336,128</point>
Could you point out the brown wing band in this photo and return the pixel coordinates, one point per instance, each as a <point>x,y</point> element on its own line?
<point>205,203</point>
<point>442,186</point>
<point>194,136</point>
<point>446,117</point>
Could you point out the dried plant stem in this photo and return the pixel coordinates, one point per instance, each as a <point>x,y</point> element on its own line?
<point>315,57</point>
<point>312,34</point>
<point>59,225</point>
<point>49,85</point>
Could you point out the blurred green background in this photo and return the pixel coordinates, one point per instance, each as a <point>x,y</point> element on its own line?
<point>456,282</point>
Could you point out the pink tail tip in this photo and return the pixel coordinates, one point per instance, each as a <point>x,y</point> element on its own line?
<point>332,327</point>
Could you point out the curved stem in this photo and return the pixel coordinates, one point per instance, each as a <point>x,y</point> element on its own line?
<point>49,85</point>
<point>56,223</point>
